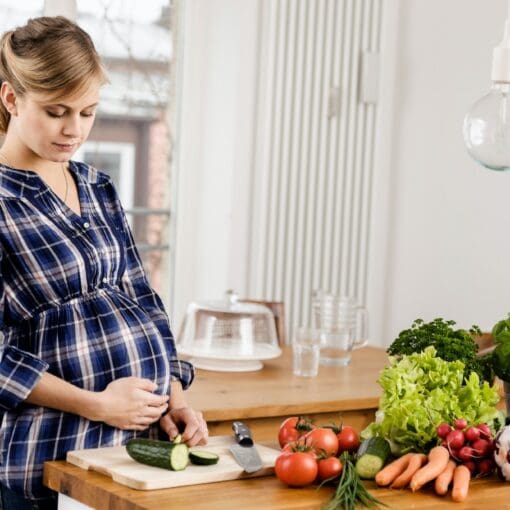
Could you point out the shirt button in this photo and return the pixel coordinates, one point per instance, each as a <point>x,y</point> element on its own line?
<point>86,224</point>
<point>105,280</point>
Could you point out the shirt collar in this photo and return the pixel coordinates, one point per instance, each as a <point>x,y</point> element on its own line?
<point>17,183</point>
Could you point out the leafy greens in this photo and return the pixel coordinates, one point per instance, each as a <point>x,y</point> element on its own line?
<point>421,390</point>
<point>501,354</point>
<point>450,344</point>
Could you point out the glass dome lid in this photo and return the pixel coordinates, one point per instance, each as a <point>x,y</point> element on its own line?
<point>228,335</point>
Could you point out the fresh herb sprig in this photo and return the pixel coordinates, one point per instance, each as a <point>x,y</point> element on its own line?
<point>350,491</point>
<point>450,344</point>
<point>501,354</point>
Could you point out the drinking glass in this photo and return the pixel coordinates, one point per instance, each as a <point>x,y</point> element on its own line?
<point>343,324</point>
<point>305,352</point>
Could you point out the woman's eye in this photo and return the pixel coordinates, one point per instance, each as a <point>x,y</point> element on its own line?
<point>87,114</point>
<point>55,115</point>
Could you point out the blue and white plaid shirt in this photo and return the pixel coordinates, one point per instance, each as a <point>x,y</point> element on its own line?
<point>75,301</point>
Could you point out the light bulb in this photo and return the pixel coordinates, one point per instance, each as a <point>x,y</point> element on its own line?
<point>487,128</point>
<point>487,125</point>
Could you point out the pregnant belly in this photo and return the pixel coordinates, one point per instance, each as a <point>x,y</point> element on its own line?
<point>95,339</point>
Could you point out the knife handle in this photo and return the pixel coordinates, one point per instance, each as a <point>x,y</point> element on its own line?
<point>242,433</point>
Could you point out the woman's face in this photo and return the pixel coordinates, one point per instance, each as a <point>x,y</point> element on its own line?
<point>53,129</point>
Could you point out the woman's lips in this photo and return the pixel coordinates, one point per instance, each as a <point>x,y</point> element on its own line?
<point>65,147</point>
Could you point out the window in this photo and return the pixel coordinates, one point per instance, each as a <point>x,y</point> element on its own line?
<point>117,160</point>
<point>131,139</point>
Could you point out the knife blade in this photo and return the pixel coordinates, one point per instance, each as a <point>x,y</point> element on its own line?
<point>244,451</point>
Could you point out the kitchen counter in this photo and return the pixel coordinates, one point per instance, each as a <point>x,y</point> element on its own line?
<point>263,398</point>
<point>99,492</point>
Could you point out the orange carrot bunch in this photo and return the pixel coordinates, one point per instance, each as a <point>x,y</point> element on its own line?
<point>415,470</point>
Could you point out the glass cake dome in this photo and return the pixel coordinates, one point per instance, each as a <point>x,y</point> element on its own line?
<point>228,335</point>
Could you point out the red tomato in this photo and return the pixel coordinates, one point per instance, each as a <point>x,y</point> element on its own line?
<point>348,439</point>
<point>289,447</point>
<point>299,446</point>
<point>322,440</point>
<point>296,469</point>
<point>292,429</point>
<point>329,468</point>
<point>288,432</point>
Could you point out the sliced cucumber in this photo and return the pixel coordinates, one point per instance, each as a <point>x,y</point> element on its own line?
<point>162,454</point>
<point>203,458</point>
<point>372,455</point>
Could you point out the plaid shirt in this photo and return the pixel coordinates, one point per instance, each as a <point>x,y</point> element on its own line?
<point>74,301</point>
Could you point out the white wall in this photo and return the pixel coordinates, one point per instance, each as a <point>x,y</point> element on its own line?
<point>449,240</point>
<point>214,149</point>
<point>441,239</point>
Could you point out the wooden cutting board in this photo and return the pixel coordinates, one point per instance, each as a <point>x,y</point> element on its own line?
<point>116,463</point>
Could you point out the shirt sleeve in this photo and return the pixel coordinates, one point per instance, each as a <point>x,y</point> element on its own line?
<point>134,282</point>
<point>20,371</point>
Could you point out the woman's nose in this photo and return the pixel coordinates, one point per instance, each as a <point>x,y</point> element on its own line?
<point>72,126</point>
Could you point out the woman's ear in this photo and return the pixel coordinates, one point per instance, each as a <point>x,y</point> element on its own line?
<point>8,97</point>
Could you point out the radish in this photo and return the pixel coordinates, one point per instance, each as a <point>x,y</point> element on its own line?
<point>460,423</point>
<point>485,466</point>
<point>484,429</point>
<point>480,447</point>
<point>470,465</point>
<point>472,433</point>
<point>455,439</point>
<point>443,430</point>
<point>466,453</point>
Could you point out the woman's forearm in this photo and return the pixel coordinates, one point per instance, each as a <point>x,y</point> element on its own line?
<point>128,403</point>
<point>51,391</point>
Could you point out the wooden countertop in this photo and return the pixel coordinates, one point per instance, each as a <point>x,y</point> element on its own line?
<point>275,391</point>
<point>272,392</point>
<point>99,492</point>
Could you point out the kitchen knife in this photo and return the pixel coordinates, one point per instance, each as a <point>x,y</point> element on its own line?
<point>244,451</point>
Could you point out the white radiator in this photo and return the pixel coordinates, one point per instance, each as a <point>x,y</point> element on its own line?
<point>314,151</point>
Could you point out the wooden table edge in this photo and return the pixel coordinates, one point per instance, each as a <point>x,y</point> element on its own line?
<point>358,404</point>
<point>82,490</point>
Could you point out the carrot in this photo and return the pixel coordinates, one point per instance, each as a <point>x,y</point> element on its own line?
<point>415,463</point>
<point>444,479</point>
<point>461,477</point>
<point>392,470</point>
<point>438,460</point>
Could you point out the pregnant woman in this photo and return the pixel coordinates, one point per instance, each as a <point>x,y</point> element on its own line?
<point>87,358</point>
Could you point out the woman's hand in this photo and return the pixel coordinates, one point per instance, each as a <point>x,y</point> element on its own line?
<point>191,422</point>
<point>129,403</point>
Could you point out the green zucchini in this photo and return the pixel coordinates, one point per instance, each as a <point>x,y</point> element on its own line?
<point>162,454</point>
<point>372,455</point>
<point>203,458</point>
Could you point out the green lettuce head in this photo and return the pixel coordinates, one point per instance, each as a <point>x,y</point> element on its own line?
<point>420,391</point>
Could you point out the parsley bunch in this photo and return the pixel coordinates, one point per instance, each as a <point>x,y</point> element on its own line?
<point>450,344</point>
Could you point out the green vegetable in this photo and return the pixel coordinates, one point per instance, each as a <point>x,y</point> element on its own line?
<point>163,454</point>
<point>372,456</point>
<point>350,491</point>
<point>203,458</point>
<point>420,391</point>
<point>450,345</point>
<point>501,353</point>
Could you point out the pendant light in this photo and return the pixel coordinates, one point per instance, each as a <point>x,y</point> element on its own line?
<point>486,127</point>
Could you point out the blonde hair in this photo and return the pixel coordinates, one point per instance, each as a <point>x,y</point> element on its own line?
<point>51,55</point>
